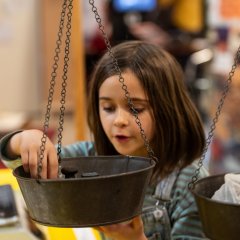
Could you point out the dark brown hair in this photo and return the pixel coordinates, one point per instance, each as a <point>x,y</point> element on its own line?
<point>179,137</point>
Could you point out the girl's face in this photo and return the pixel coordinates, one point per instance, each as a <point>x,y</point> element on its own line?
<point>116,118</point>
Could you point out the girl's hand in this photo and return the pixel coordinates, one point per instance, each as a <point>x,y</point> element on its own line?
<point>27,145</point>
<point>124,231</point>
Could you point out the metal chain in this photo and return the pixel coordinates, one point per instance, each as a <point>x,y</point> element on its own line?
<point>121,80</point>
<point>51,88</point>
<point>135,113</point>
<point>64,79</point>
<point>215,119</point>
<point>124,87</point>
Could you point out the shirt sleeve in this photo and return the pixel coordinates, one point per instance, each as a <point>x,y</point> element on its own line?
<point>10,163</point>
<point>78,149</point>
<point>186,224</point>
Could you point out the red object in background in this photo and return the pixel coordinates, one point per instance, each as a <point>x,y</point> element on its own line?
<point>1,165</point>
<point>97,44</point>
<point>217,150</point>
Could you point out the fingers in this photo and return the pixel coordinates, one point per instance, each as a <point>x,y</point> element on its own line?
<point>32,162</point>
<point>132,229</point>
<point>126,222</point>
<point>137,222</point>
<point>25,160</point>
<point>30,157</point>
<point>52,164</point>
<point>43,172</point>
<point>100,229</point>
<point>115,227</point>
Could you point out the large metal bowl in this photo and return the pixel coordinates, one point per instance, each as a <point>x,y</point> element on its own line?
<point>106,190</point>
<point>220,220</point>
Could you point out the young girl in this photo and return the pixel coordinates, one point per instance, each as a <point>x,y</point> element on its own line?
<point>170,122</point>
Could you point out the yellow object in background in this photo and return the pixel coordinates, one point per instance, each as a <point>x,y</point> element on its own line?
<point>187,15</point>
<point>61,234</point>
<point>73,234</point>
<point>6,177</point>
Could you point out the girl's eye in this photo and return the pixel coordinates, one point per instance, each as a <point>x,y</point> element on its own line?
<point>138,110</point>
<point>108,109</point>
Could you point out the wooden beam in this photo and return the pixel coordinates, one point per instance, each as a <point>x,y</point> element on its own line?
<point>78,70</point>
<point>75,97</point>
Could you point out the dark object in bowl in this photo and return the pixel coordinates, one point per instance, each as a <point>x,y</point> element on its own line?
<point>105,190</point>
<point>220,220</point>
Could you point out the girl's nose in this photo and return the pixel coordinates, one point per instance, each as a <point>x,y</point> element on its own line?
<point>121,119</point>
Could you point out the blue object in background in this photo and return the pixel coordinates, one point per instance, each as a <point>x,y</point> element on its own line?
<point>134,5</point>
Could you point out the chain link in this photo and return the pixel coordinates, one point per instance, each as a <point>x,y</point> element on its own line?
<point>215,119</point>
<point>64,80</point>
<point>130,103</point>
<point>53,82</point>
<point>124,87</point>
<point>121,80</point>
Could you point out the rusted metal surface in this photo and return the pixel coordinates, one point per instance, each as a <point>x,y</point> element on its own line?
<point>105,190</point>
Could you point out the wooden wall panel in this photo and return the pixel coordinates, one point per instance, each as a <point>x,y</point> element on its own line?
<point>75,100</point>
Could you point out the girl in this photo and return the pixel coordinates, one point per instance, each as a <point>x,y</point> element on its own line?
<point>170,122</point>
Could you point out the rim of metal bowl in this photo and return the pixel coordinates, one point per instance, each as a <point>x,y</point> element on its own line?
<point>209,199</point>
<point>151,161</point>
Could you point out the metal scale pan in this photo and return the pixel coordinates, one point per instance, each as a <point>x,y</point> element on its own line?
<point>105,190</point>
<point>220,220</point>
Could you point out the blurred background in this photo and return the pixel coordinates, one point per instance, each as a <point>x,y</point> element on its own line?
<point>203,35</point>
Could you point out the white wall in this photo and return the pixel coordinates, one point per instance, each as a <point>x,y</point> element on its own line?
<point>19,71</point>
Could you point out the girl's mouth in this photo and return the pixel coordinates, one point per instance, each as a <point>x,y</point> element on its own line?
<point>121,138</point>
